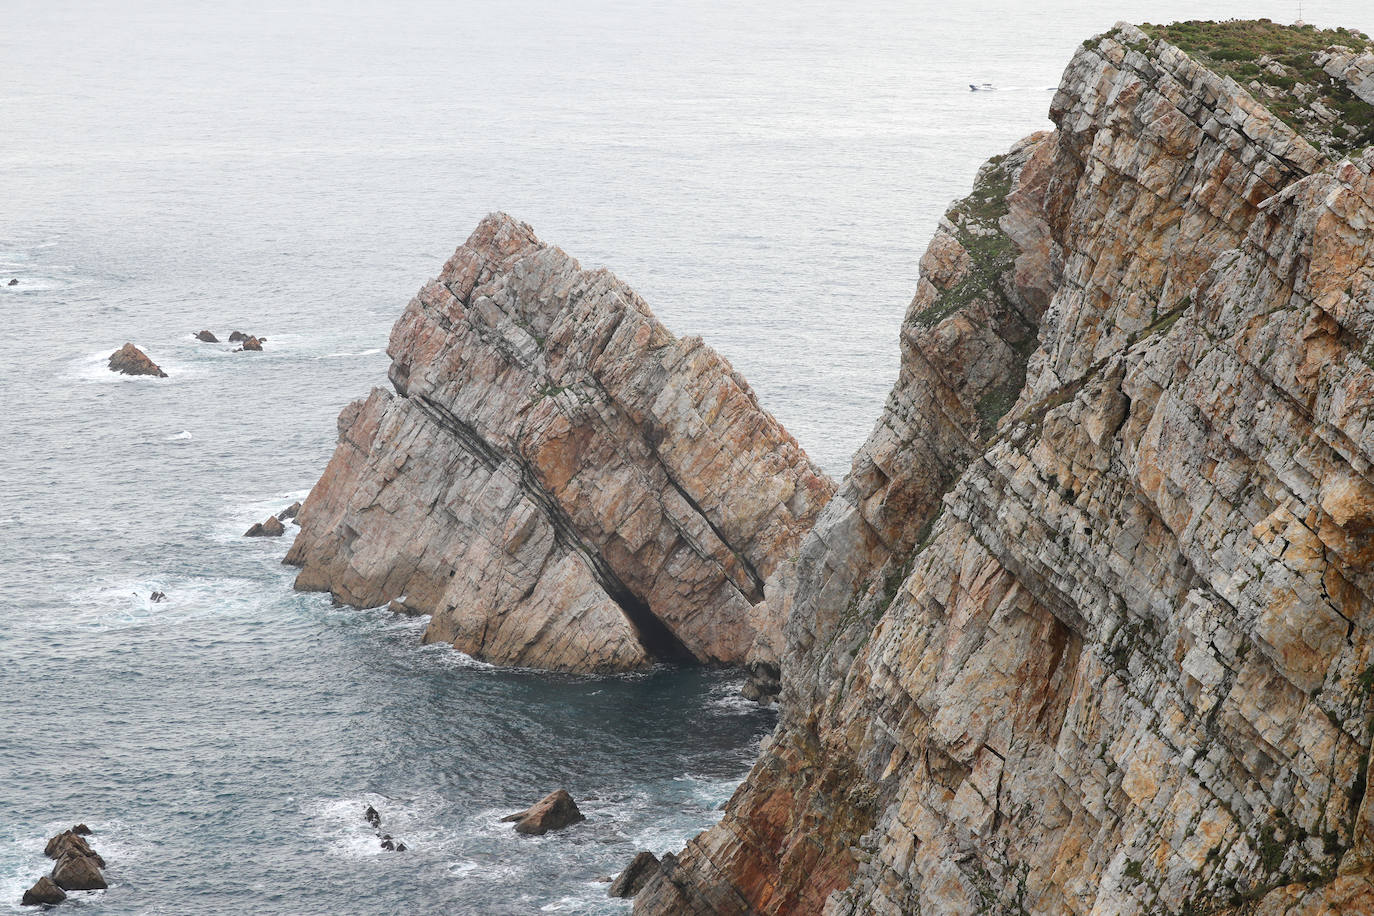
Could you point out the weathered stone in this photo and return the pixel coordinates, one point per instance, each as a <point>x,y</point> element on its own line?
<point>130,360</point>
<point>632,880</point>
<point>207,337</point>
<point>43,892</point>
<point>1102,645</point>
<point>251,343</point>
<point>289,512</point>
<point>237,336</point>
<point>558,480</point>
<point>272,528</point>
<point>78,873</point>
<point>552,812</point>
<point>69,843</point>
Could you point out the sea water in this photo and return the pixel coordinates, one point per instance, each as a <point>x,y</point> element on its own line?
<point>766,175</point>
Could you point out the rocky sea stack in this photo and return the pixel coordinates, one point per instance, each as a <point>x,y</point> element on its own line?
<point>556,478</point>
<point>130,360</point>
<point>1087,628</point>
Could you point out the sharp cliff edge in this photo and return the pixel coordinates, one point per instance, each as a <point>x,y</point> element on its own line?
<point>1087,628</point>
<point>557,479</point>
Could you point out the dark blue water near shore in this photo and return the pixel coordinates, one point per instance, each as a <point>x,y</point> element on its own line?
<point>765,175</point>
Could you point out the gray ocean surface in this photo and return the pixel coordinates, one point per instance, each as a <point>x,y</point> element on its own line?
<point>766,175</point>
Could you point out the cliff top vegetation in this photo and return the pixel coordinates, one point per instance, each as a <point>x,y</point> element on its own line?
<point>1279,65</point>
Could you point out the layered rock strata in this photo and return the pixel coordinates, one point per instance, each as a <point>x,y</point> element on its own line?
<point>1087,629</point>
<point>556,478</point>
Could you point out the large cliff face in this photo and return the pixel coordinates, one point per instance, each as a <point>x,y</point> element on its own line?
<point>558,480</point>
<point>1105,649</point>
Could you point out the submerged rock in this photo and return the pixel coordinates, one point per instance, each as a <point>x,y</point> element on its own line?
<point>552,812</point>
<point>43,892</point>
<point>272,528</point>
<point>632,880</point>
<point>612,495</point>
<point>130,360</point>
<point>14,282</point>
<point>207,337</point>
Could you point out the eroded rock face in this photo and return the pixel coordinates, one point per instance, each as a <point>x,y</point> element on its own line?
<point>43,892</point>
<point>557,479</point>
<point>1111,654</point>
<point>130,360</point>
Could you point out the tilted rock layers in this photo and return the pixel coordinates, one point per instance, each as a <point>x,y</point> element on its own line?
<point>1101,646</point>
<point>557,479</point>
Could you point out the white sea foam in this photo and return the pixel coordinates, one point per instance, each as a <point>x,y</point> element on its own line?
<point>727,697</point>
<point>183,436</point>
<point>238,515</point>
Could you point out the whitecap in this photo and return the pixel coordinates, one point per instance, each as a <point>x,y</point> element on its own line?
<point>180,437</point>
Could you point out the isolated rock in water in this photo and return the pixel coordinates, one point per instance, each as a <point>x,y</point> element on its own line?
<point>155,598</point>
<point>251,343</point>
<point>552,812</point>
<point>130,360</point>
<point>272,528</point>
<point>372,817</point>
<point>641,868</point>
<point>78,873</point>
<point>558,480</point>
<point>207,337</point>
<point>14,282</point>
<point>236,336</point>
<point>43,892</point>
<point>1088,627</point>
<point>82,829</point>
<point>290,511</point>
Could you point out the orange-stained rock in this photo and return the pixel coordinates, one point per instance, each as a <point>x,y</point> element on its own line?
<point>130,360</point>
<point>557,479</point>
<point>1089,628</point>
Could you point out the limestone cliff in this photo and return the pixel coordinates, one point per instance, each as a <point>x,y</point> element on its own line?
<point>557,479</point>
<point>1087,629</point>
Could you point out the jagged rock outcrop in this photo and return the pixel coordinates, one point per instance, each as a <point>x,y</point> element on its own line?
<point>557,479</point>
<point>1101,645</point>
<point>130,360</point>
<point>1356,68</point>
<point>552,812</point>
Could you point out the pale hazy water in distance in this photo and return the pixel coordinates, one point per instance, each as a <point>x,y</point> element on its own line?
<point>766,177</point>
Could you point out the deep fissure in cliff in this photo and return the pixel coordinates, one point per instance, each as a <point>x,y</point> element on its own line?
<point>653,634</point>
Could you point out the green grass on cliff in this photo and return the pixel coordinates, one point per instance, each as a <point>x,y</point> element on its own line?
<point>1280,60</point>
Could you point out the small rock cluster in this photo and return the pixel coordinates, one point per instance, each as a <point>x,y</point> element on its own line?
<point>273,527</point>
<point>78,868</point>
<point>371,815</point>
<point>246,341</point>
